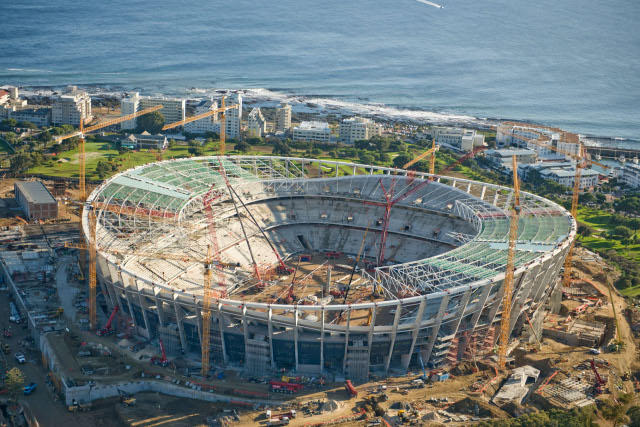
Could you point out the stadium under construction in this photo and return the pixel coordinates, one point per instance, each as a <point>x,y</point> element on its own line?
<point>321,266</point>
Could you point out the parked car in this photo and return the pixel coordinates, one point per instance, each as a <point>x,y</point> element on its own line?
<point>28,389</point>
<point>20,358</point>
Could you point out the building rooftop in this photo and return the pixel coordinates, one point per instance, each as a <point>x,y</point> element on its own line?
<point>510,152</point>
<point>568,173</point>
<point>313,126</point>
<point>35,192</point>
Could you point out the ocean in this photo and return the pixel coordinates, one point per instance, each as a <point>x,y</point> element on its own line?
<point>574,64</point>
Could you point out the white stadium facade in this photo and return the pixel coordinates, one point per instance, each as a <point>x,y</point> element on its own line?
<point>435,299</point>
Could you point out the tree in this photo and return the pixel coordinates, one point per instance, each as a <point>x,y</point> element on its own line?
<point>622,232</point>
<point>196,151</point>
<point>316,151</point>
<point>634,224</point>
<point>14,382</point>
<point>281,148</point>
<point>20,163</point>
<point>402,159</point>
<point>584,231</point>
<point>152,123</point>
<point>27,125</point>
<point>242,147</point>
<point>366,158</point>
<point>634,416</point>
<point>45,137</point>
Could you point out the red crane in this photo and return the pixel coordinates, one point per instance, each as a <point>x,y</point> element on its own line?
<point>164,362</point>
<point>600,382</point>
<point>351,390</point>
<point>390,201</point>
<point>108,330</point>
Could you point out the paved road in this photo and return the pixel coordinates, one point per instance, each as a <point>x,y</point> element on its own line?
<point>66,292</point>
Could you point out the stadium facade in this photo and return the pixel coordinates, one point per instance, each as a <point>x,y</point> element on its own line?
<point>436,299</point>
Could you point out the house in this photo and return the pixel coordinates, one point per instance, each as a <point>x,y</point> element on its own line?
<point>145,141</point>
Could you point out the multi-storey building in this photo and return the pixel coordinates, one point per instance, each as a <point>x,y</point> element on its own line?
<point>358,128</point>
<point>504,158</point>
<point>72,106</point>
<point>458,138</point>
<point>37,116</point>
<point>173,109</point>
<point>206,124</point>
<point>257,126</point>
<point>283,118</point>
<point>630,175</point>
<point>233,117</point>
<point>550,143</point>
<point>562,173</point>
<point>312,131</point>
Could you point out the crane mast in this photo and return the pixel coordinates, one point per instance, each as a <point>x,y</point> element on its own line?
<point>508,277</point>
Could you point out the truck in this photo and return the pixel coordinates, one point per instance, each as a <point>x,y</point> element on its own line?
<point>15,314</point>
<point>291,414</point>
<point>278,421</point>
<point>282,387</point>
<point>29,389</point>
<point>75,406</point>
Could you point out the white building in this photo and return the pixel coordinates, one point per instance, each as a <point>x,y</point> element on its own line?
<point>312,131</point>
<point>504,158</point>
<point>522,135</point>
<point>206,124</point>
<point>562,173</point>
<point>630,174</point>
<point>458,138</point>
<point>72,106</point>
<point>173,109</point>
<point>358,128</point>
<point>283,118</point>
<point>256,126</point>
<point>233,117</point>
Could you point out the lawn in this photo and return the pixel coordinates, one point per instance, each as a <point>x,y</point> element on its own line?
<point>599,221</point>
<point>4,147</point>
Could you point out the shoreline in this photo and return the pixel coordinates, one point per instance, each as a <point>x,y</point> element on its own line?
<point>329,105</point>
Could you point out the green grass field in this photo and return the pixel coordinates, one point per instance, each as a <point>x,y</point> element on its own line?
<point>5,148</point>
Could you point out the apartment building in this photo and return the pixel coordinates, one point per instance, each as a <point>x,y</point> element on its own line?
<point>630,174</point>
<point>173,109</point>
<point>561,172</point>
<point>283,118</point>
<point>312,131</point>
<point>206,124</point>
<point>358,128</point>
<point>233,117</point>
<point>504,158</point>
<point>543,139</point>
<point>458,138</point>
<point>38,116</point>
<point>256,124</point>
<point>72,106</point>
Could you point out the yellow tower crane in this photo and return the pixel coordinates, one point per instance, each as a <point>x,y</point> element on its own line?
<point>508,276</point>
<point>432,160</point>
<point>581,162</point>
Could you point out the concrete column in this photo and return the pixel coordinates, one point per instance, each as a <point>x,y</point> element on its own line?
<point>245,332</point>
<point>336,169</point>
<point>129,296</point>
<point>509,198</point>
<point>322,341</point>
<point>319,168</point>
<point>469,188</point>
<point>394,331</point>
<point>221,326</point>
<point>495,198</point>
<point>159,307</point>
<point>478,309</point>
<point>179,321</point>
<point>552,269</point>
<point>436,327</point>
<point>414,332</point>
<point>484,190</point>
<point>346,341</point>
<point>199,320</point>
<point>372,328</point>
<point>143,307</point>
<point>460,314</point>
<point>354,170</point>
<point>453,185</point>
<point>295,334</point>
<point>270,327</point>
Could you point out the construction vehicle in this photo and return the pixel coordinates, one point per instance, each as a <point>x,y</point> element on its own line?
<point>163,361</point>
<point>598,387</point>
<point>29,389</point>
<point>282,387</point>
<point>108,330</point>
<point>6,348</point>
<point>505,322</point>
<point>126,398</point>
<point>351,390</point>
<point>75,406</point>
<point>278,421</point>
<point>54,314</point>
<point>291,414</point>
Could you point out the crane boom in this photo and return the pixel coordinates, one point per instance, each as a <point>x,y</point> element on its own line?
<point>199,116</point>
<point>508,277</point>
<point>430,151</point>
<point>108,123</point>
